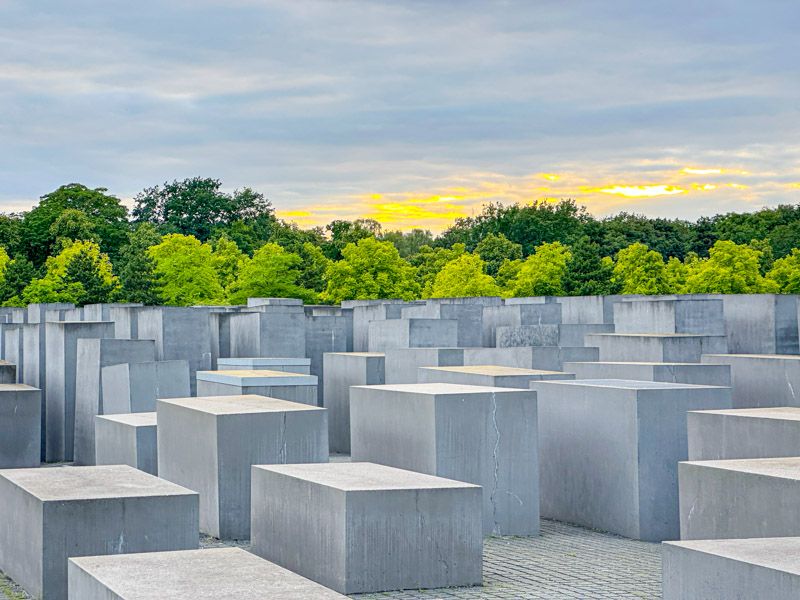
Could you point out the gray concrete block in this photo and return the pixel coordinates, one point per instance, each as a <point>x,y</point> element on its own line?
<point>761,323</point>
<point>37,313</point>
<point>272,330</point>
<point>744,433</point>
<point>127,440</point>
<point>526,335</point>
<point>283,385</point>
<point>20,426</point>
<point>748,498</point>
<point>358,527</point>
<point>609,451</point>
<point>135,387</point>
<point>517,315</point>
<point>104,312</point>
<point>401,364</point>
<point>343,370</point>
<point>12,347</point>
<point>8,372</point>
<point>189,575</point>
<point>685,315</point>
<point>259,302</point>
<point>547,358</point>
<point>56,513</point>
<point>469,316</point>
<point>328,333</point>
<point>208,444</point>
<point>92,356</point>
<point>289,365</point>
<point>696,373</point>
<point>732,569</point>
<point>761,380</point>
<point>574,334</point>
<point>488,375</point>
<point>61,377</point>
<point>366,311</point>
<point>412,333</point>
<point>482,435</point>
<point>126,321</point>
<point>658,347</point>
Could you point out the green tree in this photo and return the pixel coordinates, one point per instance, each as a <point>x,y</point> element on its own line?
<point>343,233</point>
<point>370,270</point>
<point>464,277</point>
<point>785,238</point>
<point>85,270</point>
<point>313,267</point>
<point>409,243</point>
<point>11,233</point>
<point>676,272</point>
<point>786,273</point>
<point>272,273</point>
<point>542,273</point>
<point>586,273</point>
<point>107,215</point>
<point>495,249</point>
<point>730,269</point>
<point>767,258</point>
<point>429,261</point>
<point>507,272</point>
<point>17,275</point>
<point>639,270</point>
<point>227,260</point>
<point>137,269</point>
<point>73,224</point>
<point>184,271</point>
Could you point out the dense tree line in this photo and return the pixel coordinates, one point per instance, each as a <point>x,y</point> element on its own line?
<point>189,242</point>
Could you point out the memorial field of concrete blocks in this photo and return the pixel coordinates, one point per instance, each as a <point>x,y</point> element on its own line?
<point>278,450</point>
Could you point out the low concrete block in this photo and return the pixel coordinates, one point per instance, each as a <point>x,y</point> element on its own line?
<point>526,335</point>
<point>744,433</point>
<point>127,440</point>
<point>359,527</point>
<point>659,347</point>
<point>609,451</point>
<point>488,375</point>
<point>694,373</point>
<point>209,443</point>
<point>20,426</point>
<point>482,435</point>
<point>759,380</point>
<point>289,365</point>
<point>402,364</point>
<point>135,387</point>
<point>683,315</point>
<point>749,498</point>
<point>56,513</point>
<point>274,384</point>
<point>343,370</point>
<point>412,333</point>
<point>548,358</point>
<point>188,575</point>
<point>727,569</point>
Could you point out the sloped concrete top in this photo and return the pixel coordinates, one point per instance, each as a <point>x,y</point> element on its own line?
<point>782,554</point>
<point>762,356</point>
<point>363,476</point>
<point>144,419</point>
<point>264,362</point>
<point>493,370</point>
<point>783,468</point>
<point>200,575</point>
<point>17,387</point>
<point>781,413</point>
<point>438,389</point>
<point>365,354</point>
<point>234,405</point>
<point>90,483</point>
<point>627,384</point>
<point>251,378</point>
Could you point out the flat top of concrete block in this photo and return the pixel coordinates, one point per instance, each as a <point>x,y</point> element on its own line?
<point>144,419</point>
<point>783,468</point>
<point>90,483</point>
<point>264,362</point>
<point>655,335</point>
<point>362,354</point>
<point>438,389</point>
<point>5,363</point>
<point>781,413</point>
<point>782,554</point>
<point>626,384</point>
<point>765,356</point>
<point>493,370</point>
<point>199,575</point>
<point>357,476</point>
<point>653,364</point>
<point>234,405</point>
<point>17,387</point>
<point>244,377</point>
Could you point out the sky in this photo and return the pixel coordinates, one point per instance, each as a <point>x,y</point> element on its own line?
<point>409,112</point>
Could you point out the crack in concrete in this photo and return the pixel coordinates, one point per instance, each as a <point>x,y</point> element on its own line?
<point>495,452</point>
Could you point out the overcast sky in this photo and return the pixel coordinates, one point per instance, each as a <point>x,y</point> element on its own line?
<point>411,112</point>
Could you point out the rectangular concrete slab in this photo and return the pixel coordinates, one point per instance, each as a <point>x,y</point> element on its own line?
<point>401,364</point>
<point>274,384</point>
<point>360,527</point>
<point>695,373</point>
<point>135,387</point>
<point>759,380</point>
<point>488,375</point>
<point>20,426</point>
<point>657,347</point>
<point>127,440</point>
<point>412,333</point>
<point>291,365</point>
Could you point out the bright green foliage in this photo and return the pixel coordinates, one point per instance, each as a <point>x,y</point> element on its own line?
<point>227,260</point>
<point>184,271</point>
<point>49,290</point>
<point>767,258</point>
<point>495,249</point>
<point>429,262</point>
<point>508,272</point>
<point>639,270</point>
<point>11,233</point>
<point>542,273</point>
<point>17,274</point>
<point>96,285</point>
<point>409,243</point>
<point>272,273</point>
<point>73,224</point>
<point>786,273</point>
<point>730,269</point>
<point>343,233</point>
<point>676,273</point>
<point>136,268</point>
<point>313,267</point>
<point>586,273</point>
<point>4,260</point>
<point>369,270</point>
<point>464,277</point>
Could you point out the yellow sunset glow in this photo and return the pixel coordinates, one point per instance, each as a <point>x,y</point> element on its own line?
<point>699,171</point>
<point>642,191</point>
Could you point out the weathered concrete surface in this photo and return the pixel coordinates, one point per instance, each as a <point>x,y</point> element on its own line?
<point>402,364</point>
<point>20,426</point>
<point>12,347</point>
<point>92,356</point>
<point>749,498</point>
<point>744,433</point>
<point>290,365</point>
<point>468,314</point>
<point>659,347</point>
<point>273,384</point>
<point>547,358</point>
<point>488,375</point>
<point>127,440</point>
<point>55,513</point>
<point>517,315</point>
<point>208,444</point>
<point>761,323</point>
<point>696,373</point>
<point>761,380</point>
<point>135,387</point>
<point>62,360</point>
<point>329,523</point>
<point>482,435</point>
<point>272,330</point>
<point>526,335</point>
<point>365,311</point>
<point>609,450</point>
<point>343,370</point>
<point>412,333</point>
<point>687,315</point>
<point>189,575</point>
